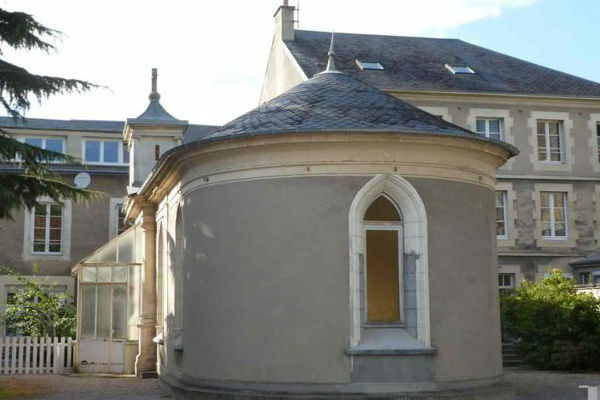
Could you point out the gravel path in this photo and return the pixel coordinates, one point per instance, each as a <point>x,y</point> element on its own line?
<point>542,385</point>
<point>529,385</point>
<point>79,387</point>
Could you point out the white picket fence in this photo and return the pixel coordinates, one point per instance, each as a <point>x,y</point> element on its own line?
<point>36,355</point>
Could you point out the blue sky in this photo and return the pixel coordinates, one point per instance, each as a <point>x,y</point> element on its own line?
<point>211,56</point>
<point>559,34</point>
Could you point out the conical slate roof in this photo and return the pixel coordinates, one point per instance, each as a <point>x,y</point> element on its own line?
<point>155,113</point>
<point>592,260</point>
<point>333,101</point>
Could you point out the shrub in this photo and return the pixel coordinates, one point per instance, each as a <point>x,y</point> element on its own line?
<point>554,327</point>
<point>37,308</point>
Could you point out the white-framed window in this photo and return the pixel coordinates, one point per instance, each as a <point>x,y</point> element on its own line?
<point>414,270</point>
<point>585,278</point>
<point>47,143</point>
<point>553,207</point>
<point>105,151</point>
<point>550,141</point>
<point>52,143</point>
<point>116,217</point>
<point>47,229</point>
<point>122,223</point>
<point>506,281</point>
<point>501,214</point>
<point>598,141</point>
<point>492,128</point>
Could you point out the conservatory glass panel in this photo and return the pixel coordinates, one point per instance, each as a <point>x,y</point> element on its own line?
<point>88,312</point>
<point>133,303</point>
<point>103,312</point>
<point>119,319</point>
<point>103,274</point>
<point>88,274</point>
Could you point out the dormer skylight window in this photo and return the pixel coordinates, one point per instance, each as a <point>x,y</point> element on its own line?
<point>459,69</point>
<point>369,65</point>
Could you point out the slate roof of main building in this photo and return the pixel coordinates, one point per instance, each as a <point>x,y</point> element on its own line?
<point>333,101</point>
<point>193,132</point>
<point>414,63</point>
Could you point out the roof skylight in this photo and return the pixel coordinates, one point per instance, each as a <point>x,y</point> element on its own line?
<point>459,69</point>
<point>369,65</point>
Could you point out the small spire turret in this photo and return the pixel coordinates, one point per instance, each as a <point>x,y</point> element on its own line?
<point>154,95</point>
<point>330,57</point>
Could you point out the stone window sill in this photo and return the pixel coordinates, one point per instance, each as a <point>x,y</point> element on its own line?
<point>371,325</point>
<point>389,341</point>
<point>425,351</point>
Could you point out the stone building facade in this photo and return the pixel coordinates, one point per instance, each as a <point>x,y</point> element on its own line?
<point>48,241</point>
<point>549,195</point>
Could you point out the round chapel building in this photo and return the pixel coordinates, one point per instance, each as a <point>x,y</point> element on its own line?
<point>333,243</point>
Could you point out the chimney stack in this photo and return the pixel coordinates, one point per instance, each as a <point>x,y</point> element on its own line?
<point>284,22</point>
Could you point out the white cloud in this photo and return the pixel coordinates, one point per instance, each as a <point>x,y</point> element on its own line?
<point>211,55</point>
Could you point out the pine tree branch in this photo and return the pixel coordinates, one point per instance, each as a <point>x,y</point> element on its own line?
<point>34,180</point>
<point>19,191</point>
<point>30,157</point>
<point>17,84</point>
<point>21,31</point>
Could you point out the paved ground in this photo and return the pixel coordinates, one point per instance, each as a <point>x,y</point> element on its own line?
<point>540,385</point>
<point>78,387</point>
<point>530,385</point>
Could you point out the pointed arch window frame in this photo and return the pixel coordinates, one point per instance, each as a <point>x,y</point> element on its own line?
<point>413,212</point>
<point>385,225</point>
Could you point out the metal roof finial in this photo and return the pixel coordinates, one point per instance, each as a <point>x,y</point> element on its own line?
<point>154,95</point>
<point>331,54</point>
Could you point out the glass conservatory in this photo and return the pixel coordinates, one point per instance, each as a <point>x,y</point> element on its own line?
<point>108,287</point>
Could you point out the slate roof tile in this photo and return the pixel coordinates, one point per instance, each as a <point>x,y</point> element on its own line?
<point>414,63</point>
<point>335,102</point>
<point>592,260</point>
<point>193,132</point>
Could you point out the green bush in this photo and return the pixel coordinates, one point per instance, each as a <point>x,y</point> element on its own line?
<point>36,308</point>
<point>554,327</point>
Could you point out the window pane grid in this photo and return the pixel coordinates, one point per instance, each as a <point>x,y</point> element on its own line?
<point>598,139</point>
<point>506,281</point>
<point>53,144</point>
<point>490,128</point>
<point>585,278</point>
<point>107,302</point>
<point>122,224</point>
<point>47,228</point>
<point>553,214</point>
<point>501,214</point>
<point>105,152</point>
<point>549,141</point>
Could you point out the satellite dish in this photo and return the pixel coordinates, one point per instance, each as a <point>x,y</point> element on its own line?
<point>82,180</point>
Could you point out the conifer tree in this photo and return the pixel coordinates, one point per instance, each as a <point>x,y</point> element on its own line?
<point>20,187</point>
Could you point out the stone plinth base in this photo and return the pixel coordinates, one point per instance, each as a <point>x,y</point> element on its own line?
<point>206,391</point>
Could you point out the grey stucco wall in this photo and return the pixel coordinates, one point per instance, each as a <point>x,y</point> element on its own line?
<point>465,323</point>
<point>266,289</point>
<point>281,73</point>
<point>266,294</point>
